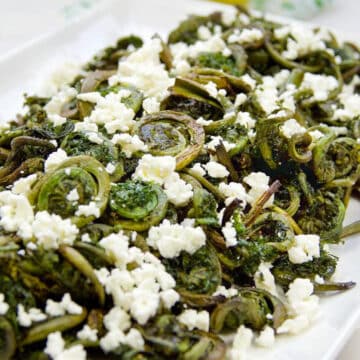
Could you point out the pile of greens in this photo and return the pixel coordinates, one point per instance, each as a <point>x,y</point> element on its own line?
<point>312,176</point>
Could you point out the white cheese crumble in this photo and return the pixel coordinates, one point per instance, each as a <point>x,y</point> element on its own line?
<point>267,95</point>
<point>94,138</point>
<point>245,36</point>
<point>171,239</point>
<point>228,293</point>
<point>55,159</point>
<point>26,318</point>
<point>87,334</point>
<point>204,33</point>
<point>241,343</point>
<point>177,190</point>
<point>233,191</point>
<point>86,126</point>
<point>245,119</point>
<point>155,168</point>
<point>91,209</point>
<point>16,214</point>
<point>73,195</point>
<point>264,279</point>
<point>51,230</point>
<point>151,105</point>
<point>55,348</point>
<point>228,16</point>
<point>110,111</point>
<point>23,185</point>
<point>66,305</point>
<point>306,248</point>
<point>110,168</point>
<point>212,89</point>
<point>138,292</point>
<point>266,337</point>
<point>144,70</point>
<point>291,127</point>
<point>229,233</point>
<point>320,85</point>
<point>198,169</point>
<point>302,41</point>
<point>247,79</point>
<point>193,319</point>
<point>215,141</point>
<point>216,170</point>
<point>4,306</point>
<point>302,305</point>
<point>54,106</point>
<point>259,183</point>
<point>239,100</point>
<point>129,144</point>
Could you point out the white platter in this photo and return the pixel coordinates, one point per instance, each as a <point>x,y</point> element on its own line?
<point>23,69</point>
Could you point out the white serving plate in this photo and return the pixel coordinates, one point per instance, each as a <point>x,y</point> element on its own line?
<point>23,69</point>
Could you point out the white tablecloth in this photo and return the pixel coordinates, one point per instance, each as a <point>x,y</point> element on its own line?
<point>22,21</point>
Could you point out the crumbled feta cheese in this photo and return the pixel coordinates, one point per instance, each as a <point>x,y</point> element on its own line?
<point>55,344</point>
<point>215,141</point>
<point>198,169</point>
<point>249,81</point>
<point>245,119</point>
<point>155,168</point>
<point>259,183</point>
<point>216,170</point>
<point>117,319</point>
<point>110,111</point>
<point>16,214</point>
<point>91,209</point>
<point>302,305</point>
<point>86,238</point>
<point>151,105</point>
<point>73,195</point>
<point>177,190</point>
<point>87,333</point>
<point>182,67</point>
<point>291,127</point>
<point>201,121</point>
<point>54,106</point>
<point>319,279</point>
<point>86,126</point>
<point>302,41</point>
<point>193,319</point>
<point>233,191</point>
<point>264,279</point>
<point>212,89</point>
<point>55,159</point>
<point>144,70</point>
<point>110,168</point>
<point>116,246</point>
<point>320,85</point>
<point>66,305</point>
<point>245,36</point>
<point>26,318</point>
<point>23,185</point>
<point>229,233</point>
<point>266,338</point>
<point>239,100</point>
<point>306,247</point>
<point>203,33</point>
<point>241,343</point>
<point>95,138</point>
<point>129,144</point>
<point>55,348</point>
<point>4,306</point>
<point>267,95</point>
<point>228,293</point>
<point>228,16</point>
<point>62,75</point>
<point>171,239</point>
<point>169,298</point>
<point>51,230</point>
